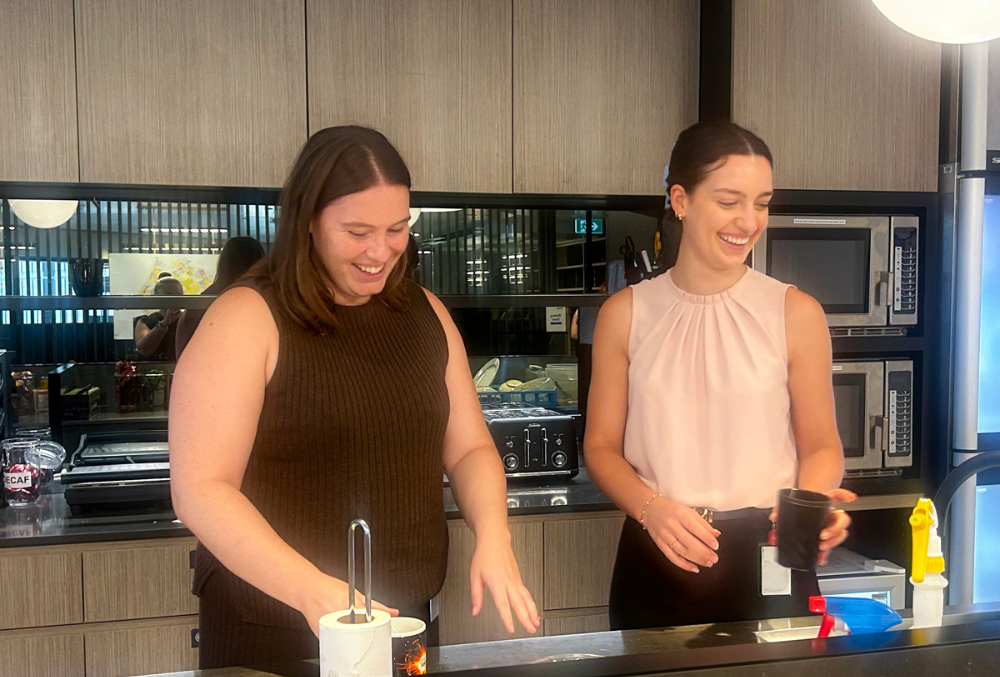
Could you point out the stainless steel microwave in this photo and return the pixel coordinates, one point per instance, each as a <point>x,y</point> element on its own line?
<point>862,269</point>
<point>874,401</point>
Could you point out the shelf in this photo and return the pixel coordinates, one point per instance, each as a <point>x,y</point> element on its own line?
<point>580,240</point>
<point>578,266</point>
<point>103,302</point>
<point>875,346</point>
<point>522,300</point>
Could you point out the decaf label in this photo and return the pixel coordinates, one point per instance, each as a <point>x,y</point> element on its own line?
<point>16,480</point>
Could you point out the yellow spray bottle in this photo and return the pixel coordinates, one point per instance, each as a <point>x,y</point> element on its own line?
<point>927,567</point>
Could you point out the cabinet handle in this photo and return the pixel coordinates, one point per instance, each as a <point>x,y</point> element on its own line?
<point>195,638</point>
<point>192,558</point>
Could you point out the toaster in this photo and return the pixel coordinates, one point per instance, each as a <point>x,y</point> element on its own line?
<point>533,441</point>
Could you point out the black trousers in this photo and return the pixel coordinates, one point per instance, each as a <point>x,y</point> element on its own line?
<point>226,641</point>
<point>650,591</point>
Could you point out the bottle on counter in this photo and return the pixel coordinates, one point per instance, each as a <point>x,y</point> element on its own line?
<point>42,395</point>
<point>928,567</point>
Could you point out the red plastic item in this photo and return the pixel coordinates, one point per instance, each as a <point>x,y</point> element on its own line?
<point>826,626</point>
<point>817,604</point>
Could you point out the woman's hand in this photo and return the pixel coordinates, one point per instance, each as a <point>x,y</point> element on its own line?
<point>837,522</point>
<point>327,594</point>
<point>494,567</point>
<point>681,534</point>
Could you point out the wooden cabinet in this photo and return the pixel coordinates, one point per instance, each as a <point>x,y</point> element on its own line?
<point>456,623</point>
<point>148,581</point>
<point>190,92</point>
<point>579,561</point>
<point>41,588</point>
<point>566,562</point>
<point>47,654</point>
<point>574,625</point>
<point>144,648</point>
<point>434,76</point>
<point>845,99</point>
<point>38,106</point>
<point>64,609</point>
<point>601,90</point>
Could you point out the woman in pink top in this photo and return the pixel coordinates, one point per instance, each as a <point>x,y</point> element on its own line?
<point>716,392</point>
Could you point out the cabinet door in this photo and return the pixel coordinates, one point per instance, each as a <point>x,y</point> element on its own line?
<point>601,89</point>
<point>38,106</point>
<point>579,561</point>
<point>40,587</point>
<point>456,624</point>
<point>44,655</point>
<point>138,582</point>
<point>124,652</point>
<point>191,92</point>
<point>845,99</point>
<point>575,625</point>
<point>434,76</point>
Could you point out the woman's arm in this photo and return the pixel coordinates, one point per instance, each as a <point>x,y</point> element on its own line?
<point>215,406</point>
<point>684,537</point>
<point>814,421</point>
<point>477,479</point>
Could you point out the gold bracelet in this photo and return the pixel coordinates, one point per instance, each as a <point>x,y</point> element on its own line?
<point>642,515</point>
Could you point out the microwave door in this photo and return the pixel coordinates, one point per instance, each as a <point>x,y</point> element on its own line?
<point>842,262</point>
<point>857,392</point>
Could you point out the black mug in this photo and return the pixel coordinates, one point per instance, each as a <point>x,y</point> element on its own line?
<point>409,646</point>
<point>802,515</point>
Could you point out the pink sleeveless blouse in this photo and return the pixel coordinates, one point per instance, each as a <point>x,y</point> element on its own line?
<point>709,419</point>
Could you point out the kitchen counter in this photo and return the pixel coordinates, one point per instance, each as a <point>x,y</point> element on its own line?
<point>970,638</point>
<point>49,522</point>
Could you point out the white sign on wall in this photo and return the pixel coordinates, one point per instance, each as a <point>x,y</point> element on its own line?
<point>136,274</point>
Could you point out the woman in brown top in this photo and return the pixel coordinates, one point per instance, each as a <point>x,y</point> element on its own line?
<point>330,387</point>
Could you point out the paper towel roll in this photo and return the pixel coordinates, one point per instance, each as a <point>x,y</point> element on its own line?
<point>355,650</point>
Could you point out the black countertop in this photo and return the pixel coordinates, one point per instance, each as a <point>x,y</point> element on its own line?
<point>50,522</point>
<point>968,643</point>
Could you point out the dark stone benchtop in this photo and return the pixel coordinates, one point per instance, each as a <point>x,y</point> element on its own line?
<point>969,643</point>
<point>50,522</point>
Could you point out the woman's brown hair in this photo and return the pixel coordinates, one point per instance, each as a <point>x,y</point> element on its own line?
<point>698,150</point>
<point>334,162</point>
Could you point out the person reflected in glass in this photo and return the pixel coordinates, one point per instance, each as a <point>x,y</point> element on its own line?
<point>236,258</point>
<point>156,333</point>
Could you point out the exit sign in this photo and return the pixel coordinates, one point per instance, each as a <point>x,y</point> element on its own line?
<point>596,226</point>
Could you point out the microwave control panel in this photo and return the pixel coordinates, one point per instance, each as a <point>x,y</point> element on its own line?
<point>899,395</point>
<point>904,270</point>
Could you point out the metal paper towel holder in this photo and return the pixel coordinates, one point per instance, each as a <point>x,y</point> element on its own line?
<point>351,577</point>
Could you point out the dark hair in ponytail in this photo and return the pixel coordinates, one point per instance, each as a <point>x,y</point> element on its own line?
<point>699,149</point>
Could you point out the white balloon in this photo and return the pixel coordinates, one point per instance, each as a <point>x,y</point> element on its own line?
<point>44,213</point>
<point>950,21</point>
<point>414,215</point>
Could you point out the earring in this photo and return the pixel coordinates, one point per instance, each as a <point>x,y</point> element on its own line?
<point>680,217</point>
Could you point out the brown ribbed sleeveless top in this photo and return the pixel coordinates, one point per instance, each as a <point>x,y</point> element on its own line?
<point>352,426</point>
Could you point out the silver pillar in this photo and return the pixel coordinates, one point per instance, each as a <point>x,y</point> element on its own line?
<point>968,297</point>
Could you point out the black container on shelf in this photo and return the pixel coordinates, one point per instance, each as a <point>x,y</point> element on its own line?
<point>88,277</point>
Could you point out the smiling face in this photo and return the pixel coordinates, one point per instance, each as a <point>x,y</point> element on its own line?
<point>360,238</point>
<point>726,213</point>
